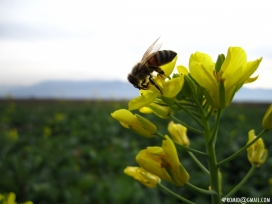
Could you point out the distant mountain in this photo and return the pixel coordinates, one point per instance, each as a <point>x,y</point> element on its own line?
<point>104,90</point>
<point>73,90</point>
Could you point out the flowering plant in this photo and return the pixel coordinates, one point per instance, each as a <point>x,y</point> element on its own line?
<point>203,92</point>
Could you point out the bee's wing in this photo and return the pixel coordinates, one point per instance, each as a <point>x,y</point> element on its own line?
<point>150,52</point>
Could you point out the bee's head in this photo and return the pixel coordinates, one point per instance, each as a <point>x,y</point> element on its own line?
<point>133,80</point>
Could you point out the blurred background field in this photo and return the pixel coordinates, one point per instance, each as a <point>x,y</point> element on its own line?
<point>61,151</point>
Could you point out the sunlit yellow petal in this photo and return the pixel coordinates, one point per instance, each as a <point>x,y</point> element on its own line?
<point>124,116</point>
<point>236,58</point>
<point>172,87</point>
<point>169,67</point>
<point>143,100</point>
<point>248,69</point>
<point>203,59</point>
<point>241,74</point>
<point>201,69</point>
<point>146,110</point>
<point>182,70</point>
<point>250,80</point>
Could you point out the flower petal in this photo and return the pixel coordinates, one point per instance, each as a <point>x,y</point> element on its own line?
<point>146,178</point>
<point>149,160</point>
<point>146,110</point>
<point>182,70</point>
<point>144,99</point>
<point>171,153</point>
<point>236,58</point>
<point>173,86</point>
<point>201,68</point>
<point>251,79</point>
<point>169,67</point>
<point>125,117</point>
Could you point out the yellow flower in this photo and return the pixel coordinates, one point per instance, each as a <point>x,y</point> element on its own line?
<point>256,153</point>
<point>135,122</point>
<point>10,199</point>
<point>47,131</point>
<point>221,85</point>
<point>163,162</point>
<point>267,119</point>
<point>59,117</point>
<point>143,176</point>
<point>13,135</point>
<point>178,133</point>
<point>169,88</point>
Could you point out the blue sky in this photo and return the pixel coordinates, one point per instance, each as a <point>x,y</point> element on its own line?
<point>83,40</point>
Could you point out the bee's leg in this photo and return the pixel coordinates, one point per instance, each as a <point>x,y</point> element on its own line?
<point>152,82</point>
<point>143,85</point>
<point>157,69</point>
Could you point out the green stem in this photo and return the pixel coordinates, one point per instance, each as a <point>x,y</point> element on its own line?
<point>214,178</point>
<point>187,126</point>
<point>236,188</point>
<point>203,168</point>
<point>183,147</point>
<point>192,115</point>
<point>215,128</point>
<point>209,114</point>
<point>188,149</point>
<point>160,135</point>
<point>187,104</point>
<point>174,194</point>
<point>241,150</point>
<point>201,190</point>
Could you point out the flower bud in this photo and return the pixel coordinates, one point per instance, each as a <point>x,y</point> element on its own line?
<point>256,153</point>
<point>220,60</point>
<point>146,178</point>
<point>137,123</point>
<point>161,111</point>
<point>146,124</point>
<point>267,119</point>
<point>178,133</point>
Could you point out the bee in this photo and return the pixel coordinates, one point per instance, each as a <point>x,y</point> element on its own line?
<point>141,73</point>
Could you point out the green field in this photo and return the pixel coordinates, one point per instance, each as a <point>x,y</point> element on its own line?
<point>75,152</point>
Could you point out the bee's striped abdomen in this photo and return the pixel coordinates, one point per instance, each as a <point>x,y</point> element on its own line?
<point>162,57</point>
